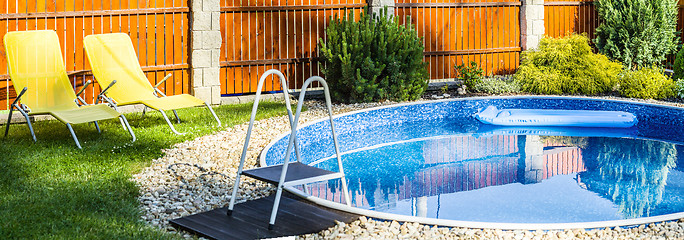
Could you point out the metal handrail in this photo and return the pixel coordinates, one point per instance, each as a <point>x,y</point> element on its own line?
<point>292,140</point>
<point>283,83</point>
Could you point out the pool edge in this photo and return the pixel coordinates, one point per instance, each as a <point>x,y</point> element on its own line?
<point>471,224</point>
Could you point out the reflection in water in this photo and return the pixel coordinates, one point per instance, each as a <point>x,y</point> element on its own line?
<point>631,173</point>
<point>427,176</point>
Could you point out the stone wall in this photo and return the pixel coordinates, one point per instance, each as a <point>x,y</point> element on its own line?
<point>531,23</point>
<point>377,5</point>
<point>206,44</point>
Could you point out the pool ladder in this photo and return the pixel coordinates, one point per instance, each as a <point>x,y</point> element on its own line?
<point>289,174</point>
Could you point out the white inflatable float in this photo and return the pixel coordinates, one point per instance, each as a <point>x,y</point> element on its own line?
<point>547,117</point>
<point>493,130</point>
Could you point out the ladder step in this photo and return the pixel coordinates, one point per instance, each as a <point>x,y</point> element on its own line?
<point>297,173</point>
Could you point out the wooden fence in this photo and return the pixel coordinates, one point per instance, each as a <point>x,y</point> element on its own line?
<point>564,17</point>
<point>457,32</point>
<point>262,35</point>
<point>284,35</point>
<point>159,30</point>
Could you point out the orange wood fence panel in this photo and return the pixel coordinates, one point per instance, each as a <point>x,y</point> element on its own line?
<point>564,17</point>
<point>158,28</point>
<point>261,35</point>
<point>457,32</point>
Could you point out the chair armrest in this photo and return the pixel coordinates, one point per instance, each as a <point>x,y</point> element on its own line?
<point>78,94</point>
<point>156,86</point>
<point>104,91</point>
<point>163,80</point>
<point>19,96</point>
<point>16,100</point>
<point>104,98</point>
<point>83,88</point>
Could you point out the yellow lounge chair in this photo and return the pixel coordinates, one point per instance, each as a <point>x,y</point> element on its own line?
<point>111,58</point>
<point>39,75</point>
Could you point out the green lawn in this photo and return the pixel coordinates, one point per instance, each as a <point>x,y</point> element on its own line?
<point>53,190</point>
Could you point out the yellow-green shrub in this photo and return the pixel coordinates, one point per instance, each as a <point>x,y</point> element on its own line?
<point>566,66</point>
<point>646,83</point>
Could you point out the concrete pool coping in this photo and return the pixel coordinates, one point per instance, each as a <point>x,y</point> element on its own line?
<point>472,224</point>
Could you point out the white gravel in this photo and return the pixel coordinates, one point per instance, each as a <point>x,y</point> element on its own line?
<point>197,176</point>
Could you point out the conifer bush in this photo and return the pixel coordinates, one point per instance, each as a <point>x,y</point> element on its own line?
<point>471,76</point>
<point>646,83</point>
<point>638,33</point>
<point>566,66</point>
<point>678,67</point>
<point>372,59</point>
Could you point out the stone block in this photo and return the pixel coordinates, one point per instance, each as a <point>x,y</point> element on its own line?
<point>529,27</point>
<point>215,95</point>
<point>390,10</point>
<point>533,41</point>
<point>216,21</point>
<point>381,3</point>
<point>537,12</point>
<point>211,77</point>
<point>203,93</point>
<point>198,77</point>
<point>211,40</point>
<point>538,27</point>
<point>215,57</point>
<point>196,5</point>
<point>536,2</point>
<point>201,21</point>
<point>201,58</point>
<point>196,39</point>
<point>211,6</point>
<point>229,100</point>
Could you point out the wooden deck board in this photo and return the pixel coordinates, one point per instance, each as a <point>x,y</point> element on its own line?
<point>296,216</point>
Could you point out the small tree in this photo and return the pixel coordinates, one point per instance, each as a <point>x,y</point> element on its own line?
<point>372,59</point>
<point>639,33</point>
<point>679,65</point>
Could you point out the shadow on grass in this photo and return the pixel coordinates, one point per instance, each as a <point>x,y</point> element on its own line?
<point>51,189</point>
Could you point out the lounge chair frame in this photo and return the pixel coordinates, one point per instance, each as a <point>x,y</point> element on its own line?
<point>102,97</point>
<point>25,110</point>
<point>94,45</point>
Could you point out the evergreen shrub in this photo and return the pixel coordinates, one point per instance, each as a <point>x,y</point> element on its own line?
<point>646,83</point>
<point>638,33</point>
<point>471,76</point>
<point>678,67</point>
<point>566,66</point>
<point>372,59</point>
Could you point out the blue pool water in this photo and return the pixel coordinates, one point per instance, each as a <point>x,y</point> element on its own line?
<point>434,160</point>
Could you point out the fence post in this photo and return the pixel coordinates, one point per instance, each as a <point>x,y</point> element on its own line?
<point>205,42</point>
<point>377,5</point>
<point>531,23</point>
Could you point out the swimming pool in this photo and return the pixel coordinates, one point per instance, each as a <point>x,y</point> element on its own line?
<point>432,162</point>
